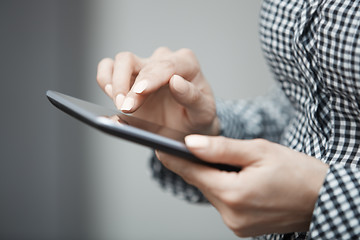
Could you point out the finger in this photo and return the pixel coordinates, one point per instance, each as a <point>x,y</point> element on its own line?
<point>126,67</point>
<point>228,151</point>
<point>150,79</point>
<point>104,75</point>
<point>160,53</point>
<point>210,181</point>
<point>163,65</point>
<point>201,176</point>
<point>198,105</point>
<point>187,64</point>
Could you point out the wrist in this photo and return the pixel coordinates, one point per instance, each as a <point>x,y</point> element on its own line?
<point>314,181</point>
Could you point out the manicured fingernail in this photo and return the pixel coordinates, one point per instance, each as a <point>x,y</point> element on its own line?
<point>140,86</point>
<point>128,104</point>
<point>179,85</point>
<point>109,90</point>
<point>119,100</point>
<point>196,141</point>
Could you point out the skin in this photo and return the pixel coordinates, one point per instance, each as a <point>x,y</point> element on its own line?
<point>277,188</point>
<point>168,99</point>
<point>275,192</point>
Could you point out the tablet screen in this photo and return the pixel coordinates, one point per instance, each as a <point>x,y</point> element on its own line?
<point>126,119</point>
<point>90,112</point>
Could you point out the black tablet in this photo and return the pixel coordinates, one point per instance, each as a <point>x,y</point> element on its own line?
<point>128,127</point>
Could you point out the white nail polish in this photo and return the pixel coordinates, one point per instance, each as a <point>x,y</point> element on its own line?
<point>128,104</point>
<point>140,86</point>
<point>119,100</point>
<point>108,89</point>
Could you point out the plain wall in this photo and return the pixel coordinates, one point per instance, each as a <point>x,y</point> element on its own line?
<point>125,203</point>
<point>42,192</point>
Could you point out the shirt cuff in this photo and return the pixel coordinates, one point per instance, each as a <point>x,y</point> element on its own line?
<point>337,210</point>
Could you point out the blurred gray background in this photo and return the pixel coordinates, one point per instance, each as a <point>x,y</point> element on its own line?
<point>60,179</point>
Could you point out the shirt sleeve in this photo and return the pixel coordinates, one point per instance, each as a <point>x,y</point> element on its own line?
<point>337,211</point>
<point>262,117</point>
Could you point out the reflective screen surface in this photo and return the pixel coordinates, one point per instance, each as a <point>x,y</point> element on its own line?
<point>130,120</point>
<point>77,107</point>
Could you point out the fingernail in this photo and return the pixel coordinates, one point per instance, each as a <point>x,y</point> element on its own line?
<point>128,104</point>
<point>119,100</point>
<point>196,141</point>
<point>140,86</point>
<point>157,154</point>
<point>179,84</point>
<point>109,90</point>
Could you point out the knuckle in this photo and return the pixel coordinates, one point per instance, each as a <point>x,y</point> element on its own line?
<point>238,224</point>
<point>163,66</point>
<point>186,52</point>
<point>229,199</point>
<point>234,199</point>
<point>157,68</point>
<point>213,189</point>
<point>162,50</point>
<point>167,64</point>
<point>102,70</point>
<point>124,56</point>
<point>99,79</point>
<point>105,61</point>
<point>262,146</point>
<point>229,222</point>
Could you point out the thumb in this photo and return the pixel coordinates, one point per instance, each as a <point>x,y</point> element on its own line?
<point>223,150</point>
<point>197,103</point>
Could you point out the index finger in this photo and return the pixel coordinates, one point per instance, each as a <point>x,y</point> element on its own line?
<point>126,67</point>
<point>158,72</point>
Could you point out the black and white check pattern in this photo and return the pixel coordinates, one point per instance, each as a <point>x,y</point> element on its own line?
<point>313,50</point>
<point>337,213</point>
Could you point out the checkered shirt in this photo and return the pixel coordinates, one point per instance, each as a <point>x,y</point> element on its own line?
<point>313,50</point>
